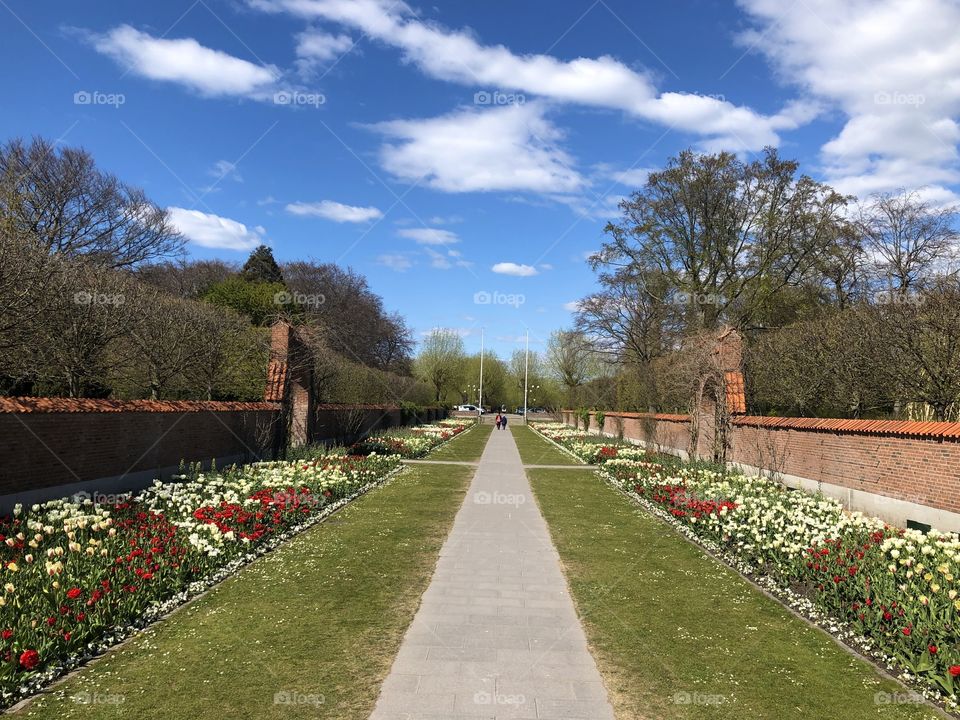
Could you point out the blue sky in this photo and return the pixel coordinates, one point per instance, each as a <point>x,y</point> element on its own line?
<point>466,156</point>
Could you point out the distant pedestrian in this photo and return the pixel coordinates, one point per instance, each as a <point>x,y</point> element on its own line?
<point>503,422</point>
<point>499,420</point>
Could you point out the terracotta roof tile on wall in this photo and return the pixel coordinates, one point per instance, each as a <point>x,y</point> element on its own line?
<point>899,428</point>
<point>736,400</point>
<point>89,405</point>
<point>276,380</point>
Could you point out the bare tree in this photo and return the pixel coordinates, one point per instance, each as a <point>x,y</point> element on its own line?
<point>187,279</point>
<point>72,208</point>
<point>355,323</point>
<point>923,345</point>
<point>169,339</point>
<point>908,237</point>
<point>28,275</point>
<point>571,359</point>
<point>228,344</point>
<point>88,310</point>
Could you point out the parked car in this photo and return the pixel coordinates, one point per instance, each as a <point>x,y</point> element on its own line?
<point>466,408</point>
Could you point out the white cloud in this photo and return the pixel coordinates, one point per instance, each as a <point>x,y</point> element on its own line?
<point>224,169</point>
<point>316,48</point>
<point>441,220</point>
<point>429,236</point>
<point>213,231</point>
<point>468,150</point>
<point>456,56</point>
<point>572,306</point>
<point>338,212</point>
<point>438,261</point>
<point>632,177</point>
<point>890,68</point>
<point>515,269</point>
<point>187,62</point>
<point>318,45</point>
<point>397,263</point>
<point>546,266</point>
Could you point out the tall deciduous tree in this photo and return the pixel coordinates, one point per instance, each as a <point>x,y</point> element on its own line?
<point>728,236</point>
<point>441,361</point>
<point>907,237</point>
<point>60,198</point>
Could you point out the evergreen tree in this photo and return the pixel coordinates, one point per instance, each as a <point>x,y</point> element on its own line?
<point>261,267</point>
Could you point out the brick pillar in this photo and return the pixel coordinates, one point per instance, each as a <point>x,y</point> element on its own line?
<point>290,382</point>
<point>722,378</point>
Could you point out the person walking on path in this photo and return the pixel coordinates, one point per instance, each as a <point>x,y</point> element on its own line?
<point>499,420</point>
<point>503,422</point>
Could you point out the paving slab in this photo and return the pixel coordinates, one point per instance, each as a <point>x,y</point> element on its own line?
<point>496,635</point>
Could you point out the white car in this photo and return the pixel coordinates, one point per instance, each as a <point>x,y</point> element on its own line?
<point>466,408</point>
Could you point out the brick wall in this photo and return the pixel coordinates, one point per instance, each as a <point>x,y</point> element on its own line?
<point>49,442</point>
<point>907,461</point>
<point>50,447</point>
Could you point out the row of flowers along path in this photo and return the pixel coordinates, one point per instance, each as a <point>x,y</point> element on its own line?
<point>81,573</point>
<point>891,592</point>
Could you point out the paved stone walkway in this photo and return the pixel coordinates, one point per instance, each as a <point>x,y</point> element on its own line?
<point>496,635</point>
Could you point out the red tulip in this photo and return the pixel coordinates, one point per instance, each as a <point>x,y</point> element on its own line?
<point>29,659</point>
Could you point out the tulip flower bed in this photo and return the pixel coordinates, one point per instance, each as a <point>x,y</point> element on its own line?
<point>890,592</point>
<point>82,573</point>
<point>413,442</point>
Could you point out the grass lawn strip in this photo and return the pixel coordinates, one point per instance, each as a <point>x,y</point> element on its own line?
<point>535,449</point>
<point>467,446</point>
<point>679,635</point>
<point>309,630</point>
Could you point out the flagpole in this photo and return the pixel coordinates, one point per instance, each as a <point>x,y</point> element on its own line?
<point>480,411</point>
<point>526,368</point>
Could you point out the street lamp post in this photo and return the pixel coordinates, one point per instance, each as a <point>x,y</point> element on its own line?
<point>480,409</point>
<point>526,369</point>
